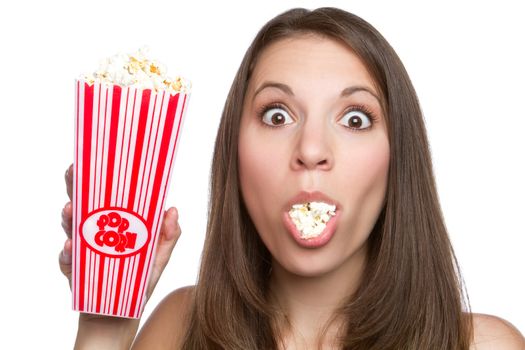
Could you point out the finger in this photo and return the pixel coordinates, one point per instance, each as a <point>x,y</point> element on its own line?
<point>69,181</point>
<point>169,235</point>
<point>170,226</point>
<point>64,259</point>
<point>67,219</point>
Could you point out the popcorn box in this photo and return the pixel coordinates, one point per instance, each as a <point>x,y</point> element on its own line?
<point>125,145</point>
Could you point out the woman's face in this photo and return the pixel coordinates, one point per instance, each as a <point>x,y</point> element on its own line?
<point>312,129</point>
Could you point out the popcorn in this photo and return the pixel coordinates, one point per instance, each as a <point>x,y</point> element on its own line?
<point>136,70</point>
<point>311,218</point>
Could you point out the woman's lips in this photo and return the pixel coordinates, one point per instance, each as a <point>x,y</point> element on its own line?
<point>316,196</point>
<point>325,236</point>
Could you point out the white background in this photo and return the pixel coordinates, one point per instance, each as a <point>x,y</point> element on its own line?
<point>466,60</point>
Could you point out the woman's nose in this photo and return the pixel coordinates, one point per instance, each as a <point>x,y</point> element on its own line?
<point>313,148</point>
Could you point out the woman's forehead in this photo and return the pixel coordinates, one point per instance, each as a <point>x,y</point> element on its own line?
<point>310,61</point>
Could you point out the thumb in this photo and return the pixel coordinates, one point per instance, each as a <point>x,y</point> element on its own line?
<point>169,235</point>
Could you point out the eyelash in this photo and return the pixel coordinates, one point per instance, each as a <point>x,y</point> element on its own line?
<point>366,111</point>
<point>358,107</point>
<point>265,108</point>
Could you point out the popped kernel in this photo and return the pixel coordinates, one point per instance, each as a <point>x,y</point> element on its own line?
<point>311,218</point>
<point>136,70</point>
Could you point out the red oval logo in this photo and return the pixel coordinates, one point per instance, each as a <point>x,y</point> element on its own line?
<point>115,232</point>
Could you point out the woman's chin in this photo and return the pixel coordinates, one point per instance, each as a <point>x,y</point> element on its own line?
<point>311,263</point>
<point>306,266</point>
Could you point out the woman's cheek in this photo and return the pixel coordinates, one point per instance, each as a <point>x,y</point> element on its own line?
<point>263,159</point>
<point>262,178</point>
<point>367,170</point>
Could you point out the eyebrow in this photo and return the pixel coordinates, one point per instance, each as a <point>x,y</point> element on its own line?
<point>288,90</point>
<point>353,89</point>
<point>272,84</point>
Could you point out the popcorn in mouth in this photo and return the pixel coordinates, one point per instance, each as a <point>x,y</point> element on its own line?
<point>311,218</point>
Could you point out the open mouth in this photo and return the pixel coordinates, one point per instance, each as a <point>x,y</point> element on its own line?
<point>311,218</point>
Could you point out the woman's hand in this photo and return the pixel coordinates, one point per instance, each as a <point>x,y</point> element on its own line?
<point>169,234</point>
<point>104,328</point>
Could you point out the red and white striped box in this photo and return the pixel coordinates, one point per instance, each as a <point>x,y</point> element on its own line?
<point>125,145</point>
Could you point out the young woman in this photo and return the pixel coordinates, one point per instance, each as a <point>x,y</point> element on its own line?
<point>321,110</point>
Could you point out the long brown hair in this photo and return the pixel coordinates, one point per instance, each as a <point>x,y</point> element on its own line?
<point>411,296</point>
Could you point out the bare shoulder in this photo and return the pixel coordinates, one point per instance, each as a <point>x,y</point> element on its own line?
<point>168,322</point>
<point>491,332</point>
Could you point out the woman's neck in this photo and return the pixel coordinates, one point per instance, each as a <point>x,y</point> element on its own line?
<point>309,303</point>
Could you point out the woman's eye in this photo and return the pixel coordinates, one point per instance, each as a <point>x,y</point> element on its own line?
<point>276,116</point>
<point>356,120</point>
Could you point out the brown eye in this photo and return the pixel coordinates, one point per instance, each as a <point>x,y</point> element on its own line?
<point>356,120</point>
<point>276,117</point>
